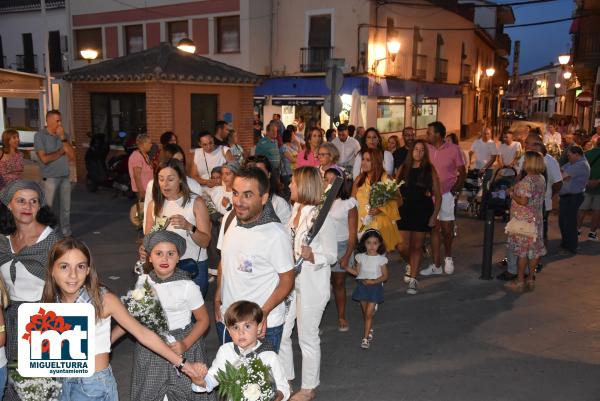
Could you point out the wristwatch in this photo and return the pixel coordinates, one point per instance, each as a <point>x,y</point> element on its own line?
<point>181,364</point>
<point>194,229</point>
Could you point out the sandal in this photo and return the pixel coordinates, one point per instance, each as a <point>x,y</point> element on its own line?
<point>515,286</point>
<point>303,395</point>
<point>343,325</point>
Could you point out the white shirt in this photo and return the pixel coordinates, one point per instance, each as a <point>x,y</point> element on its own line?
<point>102,336</point>
<point>171,208</point>
<point>370,266</point>
<point>388,164</point>
<point>27,287</point>
<point>314,279</point>
<point>484,151</point>
<point>283,210</point>
<point>178,298</point>
<point>218,194</point>
<point>509,152</point>
<point>205,162</point>
<point>348,150</point>
<point>226,353</point>
<point>194,187</point>
<point>339,216</point>
<point>555,138</point>
<point>251,261</point>
<point>553,175</point>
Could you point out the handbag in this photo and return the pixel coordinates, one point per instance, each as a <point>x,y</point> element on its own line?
<point>521,227</point>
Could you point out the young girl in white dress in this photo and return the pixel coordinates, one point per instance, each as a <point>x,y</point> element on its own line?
<point>72,277</point>
<point>371,272</point>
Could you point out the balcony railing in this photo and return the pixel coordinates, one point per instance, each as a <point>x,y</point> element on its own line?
<point>20,63</point>
<point>588,47</point>
<point>466,73</point>
<point>420,71</point>
<point>314,59</point>
<point>442,70</point>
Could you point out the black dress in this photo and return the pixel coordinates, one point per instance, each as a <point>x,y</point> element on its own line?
<point>417,206</point>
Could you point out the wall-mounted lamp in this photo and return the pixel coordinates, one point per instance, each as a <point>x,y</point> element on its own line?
<point>567,75</point>
<point>186,45</point>
<point>557,85</point>
<point>89,54</point>
<point>564,59</point>
<point>489,72</point>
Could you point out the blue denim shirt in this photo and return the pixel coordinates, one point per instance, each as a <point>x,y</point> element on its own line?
<point>579,173</point>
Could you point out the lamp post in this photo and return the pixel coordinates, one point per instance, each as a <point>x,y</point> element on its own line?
<point>564,59</point>
<point>89,54</point>
<point>186,45</point>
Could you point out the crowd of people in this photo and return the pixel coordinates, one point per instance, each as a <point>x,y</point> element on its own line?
<point>240,218</point>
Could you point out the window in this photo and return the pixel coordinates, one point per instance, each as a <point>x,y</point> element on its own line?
<point>390,115</point>
<point>56,63</point>
<point>427,112</point>
<point>228,34</point>
<point>177,30</point>
<point>116,113</point>
<point>134,39</point>
<point>88,39</point>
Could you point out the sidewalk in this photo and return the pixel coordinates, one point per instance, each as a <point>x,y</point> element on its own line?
<point>460,338</point>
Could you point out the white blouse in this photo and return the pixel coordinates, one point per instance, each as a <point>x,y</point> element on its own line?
<point>27,287</point>
<point>171,208</point>
<point>339,215</point>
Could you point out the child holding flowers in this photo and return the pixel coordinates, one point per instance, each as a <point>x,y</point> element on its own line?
<point>72,277</point>
<point>243,320</point>
<point>152,377</point>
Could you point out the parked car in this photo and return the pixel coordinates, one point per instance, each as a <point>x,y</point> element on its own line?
<point>520,115</point>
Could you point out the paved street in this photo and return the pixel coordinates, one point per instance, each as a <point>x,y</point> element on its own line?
<point>460,338</point>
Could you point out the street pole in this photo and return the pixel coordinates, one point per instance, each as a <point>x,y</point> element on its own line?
<point>46,56</point>
<point>332,95</point>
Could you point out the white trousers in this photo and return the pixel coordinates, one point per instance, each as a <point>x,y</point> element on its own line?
<point>308,317</point>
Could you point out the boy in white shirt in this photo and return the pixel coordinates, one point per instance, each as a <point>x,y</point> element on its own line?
<point>244,323</point>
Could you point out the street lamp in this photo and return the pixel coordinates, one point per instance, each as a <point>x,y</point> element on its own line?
<point>393,47</point>
<point>567,75</point>
<point>538,82</point>
<point>489,72</point>
<point>557,85</point>
<point>186,45</point>
<point>564,59</point>
<point>89,54</point>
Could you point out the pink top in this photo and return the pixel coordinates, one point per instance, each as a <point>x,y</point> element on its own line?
<point>446,159</point>
<point>11,169</point>
<point>137,160</point>
<point>309,161</point>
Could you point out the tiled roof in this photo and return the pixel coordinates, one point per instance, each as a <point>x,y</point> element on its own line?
<point>164,62</point>
<point>7,6</point>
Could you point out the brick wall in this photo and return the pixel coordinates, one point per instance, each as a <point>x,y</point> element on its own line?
<point>82,124</point>
<point>244,123</point>
<point>159,109</point>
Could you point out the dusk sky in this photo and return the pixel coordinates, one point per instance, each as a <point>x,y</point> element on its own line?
<point>541,45</point>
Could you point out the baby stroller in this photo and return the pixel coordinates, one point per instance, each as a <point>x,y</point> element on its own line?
<point>495,194</point>
<point>469,198</point>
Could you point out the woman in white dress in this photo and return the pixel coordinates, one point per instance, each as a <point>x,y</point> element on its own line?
<point>26,225</point>
<point>372,140</point>
<point>186,215</point>
<point>309,298</point>
<point>206,158</point>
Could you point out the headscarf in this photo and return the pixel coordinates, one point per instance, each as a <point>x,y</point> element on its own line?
<point>9,191</point>
<point>156,237</point>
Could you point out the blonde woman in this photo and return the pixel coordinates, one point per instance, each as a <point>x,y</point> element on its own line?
<point>311,293</point>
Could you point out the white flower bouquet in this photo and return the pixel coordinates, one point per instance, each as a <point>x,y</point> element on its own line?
<point>252,380</point>
<point>160,223</point>
<point>143,304</point>
<point>35,388</point>
<point>380,193</point>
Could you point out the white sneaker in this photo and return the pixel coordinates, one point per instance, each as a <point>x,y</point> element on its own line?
<point>431,270</point>
<point>448,266</point>
<point>412,287</point>
<point>407,274</point>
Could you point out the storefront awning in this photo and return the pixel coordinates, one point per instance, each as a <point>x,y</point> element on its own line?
<point>311,87</point>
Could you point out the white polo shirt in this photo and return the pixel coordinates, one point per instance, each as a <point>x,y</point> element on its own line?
<point>348,150</point>
<point>251,261</point>
<point>484,151</point>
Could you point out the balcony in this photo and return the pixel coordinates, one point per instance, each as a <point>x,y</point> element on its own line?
<point>441,73</point>
<point>22,66</point>
<point>314,59</point>
<point>466,74</point>
<point>420,67</point>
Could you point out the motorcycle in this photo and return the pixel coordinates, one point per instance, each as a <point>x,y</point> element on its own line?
<point>112,174</point>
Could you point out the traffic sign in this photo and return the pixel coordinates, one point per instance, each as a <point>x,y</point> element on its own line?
<point>334,79</point>
<point>337,105</point>
<point>585,99</point>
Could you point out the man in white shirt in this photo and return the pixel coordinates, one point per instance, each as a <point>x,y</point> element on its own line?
<point>552,136</point>
<point>257,262</point>
<point>347,146</point>
<point>485,151</point>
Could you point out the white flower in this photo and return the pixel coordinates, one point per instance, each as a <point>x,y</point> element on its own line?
<point>138,294</point>
<point>252,392</point>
